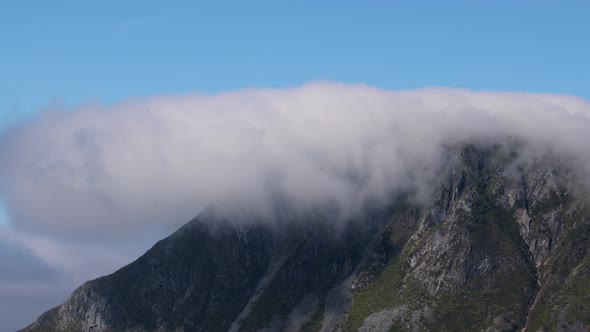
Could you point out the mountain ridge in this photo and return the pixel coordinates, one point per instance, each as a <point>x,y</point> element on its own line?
<point>502,247</point>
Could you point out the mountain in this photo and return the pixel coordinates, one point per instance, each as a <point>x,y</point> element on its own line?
<point>503,245</point>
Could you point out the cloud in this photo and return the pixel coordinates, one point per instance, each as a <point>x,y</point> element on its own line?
<point>20,264</point>
<point>159,161</point>
<point>38,271</point>
<point>27,284</point>
<point>84,186</point>
<point>28,257</point>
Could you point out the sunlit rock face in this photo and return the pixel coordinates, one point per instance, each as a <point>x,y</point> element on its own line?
<point>501,244</point>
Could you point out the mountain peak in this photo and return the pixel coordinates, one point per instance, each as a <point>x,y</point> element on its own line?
<point>502,244</point>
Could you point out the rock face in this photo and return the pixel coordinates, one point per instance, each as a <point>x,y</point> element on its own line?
<point>505,246</point>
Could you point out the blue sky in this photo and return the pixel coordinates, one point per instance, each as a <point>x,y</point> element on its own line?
<point>68,52</point>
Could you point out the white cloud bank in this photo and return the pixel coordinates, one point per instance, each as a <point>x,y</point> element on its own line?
<point>159,161</point>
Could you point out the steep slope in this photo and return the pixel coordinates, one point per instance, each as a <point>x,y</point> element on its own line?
<point>212,276</point>
<point>502,247</point>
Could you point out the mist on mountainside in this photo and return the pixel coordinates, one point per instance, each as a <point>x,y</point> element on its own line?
<point>103,170</point>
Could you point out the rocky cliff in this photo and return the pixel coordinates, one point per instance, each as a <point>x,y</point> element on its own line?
<point>502,246</point>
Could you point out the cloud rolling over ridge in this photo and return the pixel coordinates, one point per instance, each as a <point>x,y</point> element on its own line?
<point>159,161</point>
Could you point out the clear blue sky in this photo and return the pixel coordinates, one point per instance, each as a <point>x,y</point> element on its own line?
<point>74,51</point>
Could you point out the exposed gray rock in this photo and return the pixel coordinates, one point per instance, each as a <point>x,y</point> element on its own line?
<point>302,313</point>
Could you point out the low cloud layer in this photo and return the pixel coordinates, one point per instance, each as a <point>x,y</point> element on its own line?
<point>21,265</point>
<point>159,161</point>
<point>39,272</point>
